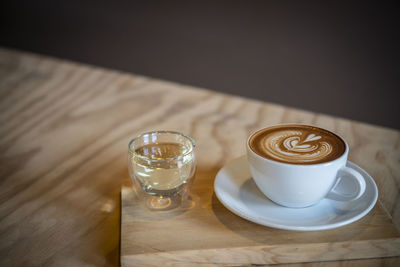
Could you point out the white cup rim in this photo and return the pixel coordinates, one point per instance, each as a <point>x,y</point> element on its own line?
<point>344,155</point>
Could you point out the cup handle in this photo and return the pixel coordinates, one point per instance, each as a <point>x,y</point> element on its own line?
<point>345,174</point>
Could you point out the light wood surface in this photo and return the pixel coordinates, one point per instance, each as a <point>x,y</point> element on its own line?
<point>64,130</point>
<point>203,231</point>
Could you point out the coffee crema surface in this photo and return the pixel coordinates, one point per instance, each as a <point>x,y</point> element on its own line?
<point>297,144</point>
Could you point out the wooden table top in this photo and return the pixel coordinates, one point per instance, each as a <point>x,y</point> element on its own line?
<point>64,133</point>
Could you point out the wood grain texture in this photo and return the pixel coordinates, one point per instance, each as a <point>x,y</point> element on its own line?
<point>264,255</point>
<point>204,232</point>
<point>64,130</point>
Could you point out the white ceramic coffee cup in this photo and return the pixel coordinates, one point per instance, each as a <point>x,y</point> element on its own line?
<point>298,186</point>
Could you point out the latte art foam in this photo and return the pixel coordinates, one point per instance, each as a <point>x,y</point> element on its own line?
<point>297,144</point>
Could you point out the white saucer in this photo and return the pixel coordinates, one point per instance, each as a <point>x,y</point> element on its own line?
<point>236,190</point>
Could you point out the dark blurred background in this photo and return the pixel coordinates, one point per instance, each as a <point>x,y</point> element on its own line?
<point>335,57</point>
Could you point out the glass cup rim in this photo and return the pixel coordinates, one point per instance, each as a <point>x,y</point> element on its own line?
<point>191,140</point>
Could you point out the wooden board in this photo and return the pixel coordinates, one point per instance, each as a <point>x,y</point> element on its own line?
<point>204,232</point>
<point>64,133</point>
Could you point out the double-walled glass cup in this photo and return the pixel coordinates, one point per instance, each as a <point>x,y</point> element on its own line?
<point>163,164</point>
